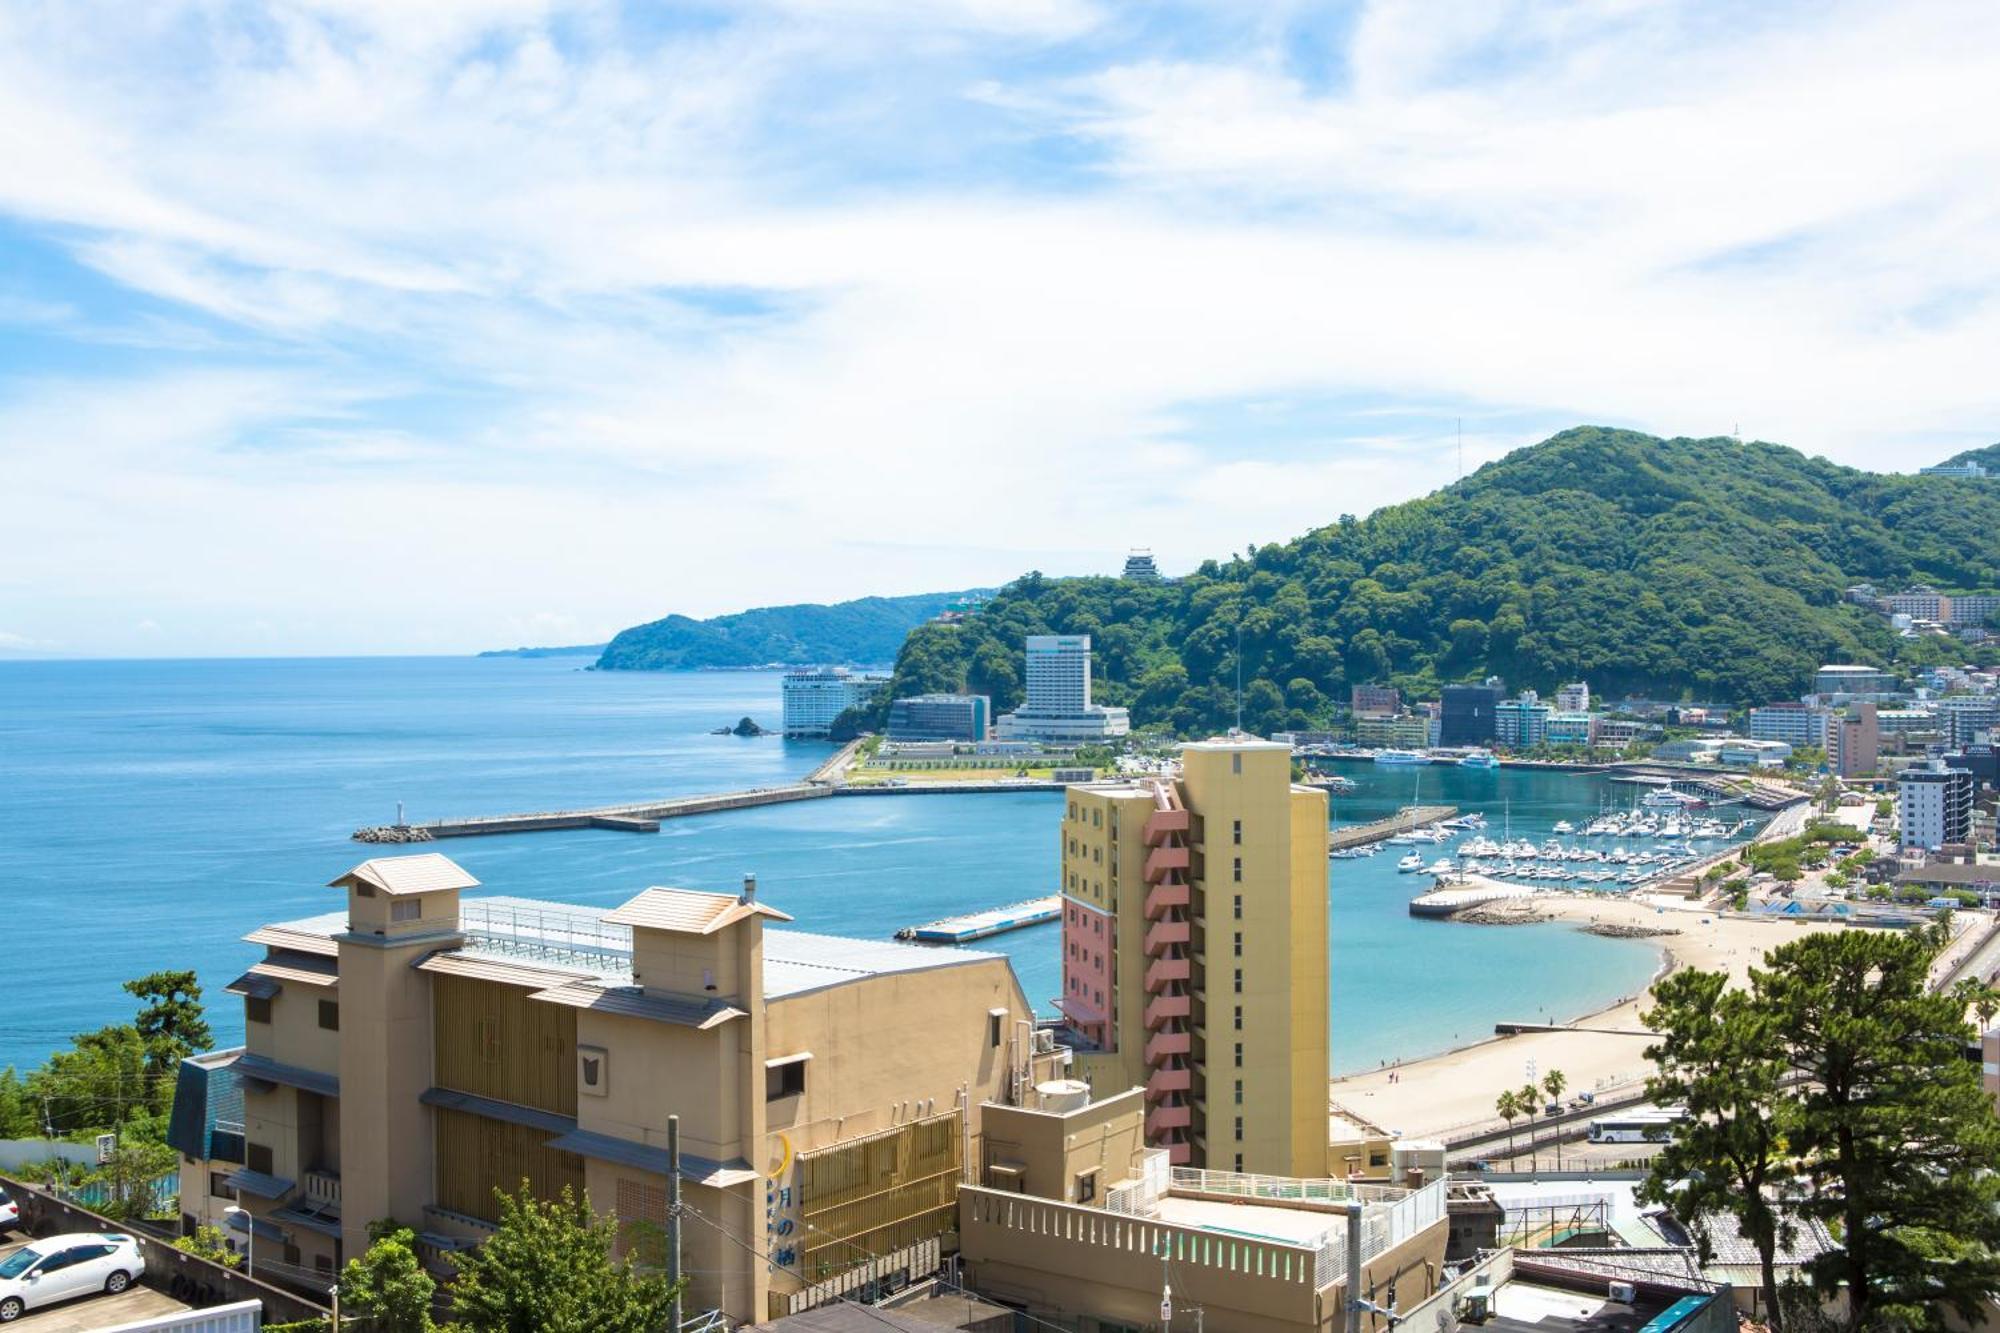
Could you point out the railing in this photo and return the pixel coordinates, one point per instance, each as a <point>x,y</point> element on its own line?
<point>906,1264</point>
<point>1281,1189</point>
<point>322,1187</point>
<point>1139,1198</point>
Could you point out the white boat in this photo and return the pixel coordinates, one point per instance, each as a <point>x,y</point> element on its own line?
<point>1410,864</point>
<point>1401,757</point>
<point>1668,798</point>
<point>1441,866</point>
<point>1563,826</point>
<point>1479,759</point>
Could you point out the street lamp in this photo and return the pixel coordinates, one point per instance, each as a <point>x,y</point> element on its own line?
<point>249,1230</point>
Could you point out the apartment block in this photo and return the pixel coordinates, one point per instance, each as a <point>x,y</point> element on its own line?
<point>1194,954</point>
<point>1854,740</point>
<point>940,717</point>
<point>812,699</point>
<point>1798,725</point>
<point>1919,603</point>
<point>1573,698</point>
<point>1974,608</point>
<point>1410,733</point>
<point>1845,680</point>
<point>1521,723</point>
<point>1466,714</point>
<point>1057,707</point>
<point>1934,806</point>
<point>1375,701</point>
<point>1572,730</point>
<point>417,1051</point>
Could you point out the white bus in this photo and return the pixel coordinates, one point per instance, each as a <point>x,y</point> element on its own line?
<point>1637,1126</point>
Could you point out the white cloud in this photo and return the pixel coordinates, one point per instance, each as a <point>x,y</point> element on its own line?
<point>523,308</point>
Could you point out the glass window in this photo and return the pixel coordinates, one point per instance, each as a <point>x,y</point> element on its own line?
<point>18,1262</point>
<point>1235,763</point>
<point>786,1080</point>
<point>1236,833</point>
<point>406,909</point>
<point>329,1015</point>
<point>1239,870</point>
<point>257,1008</point>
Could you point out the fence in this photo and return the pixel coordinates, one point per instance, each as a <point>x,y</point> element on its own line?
<point>237,1317</point>
<point>889,1272</point>
<point>195,1281</point>
<point>1280,1189</point>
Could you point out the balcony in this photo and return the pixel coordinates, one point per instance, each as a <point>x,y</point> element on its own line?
<point>1164,1009</point>
<point>1162,861</point>
<point>1166,971</point>
<point>1166,1045</point>
<point>1166,1082</point>
<point>1164,824</point>
<point>1164,935</point>
<point>1179,1152</point>
<point>321,1187</point>
<point>1164,1120</point>
<point>1166,898</point>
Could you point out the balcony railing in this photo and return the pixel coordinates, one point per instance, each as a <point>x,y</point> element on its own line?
<point>1166,1082</point>
<point>1165,1045</point>
<point>1165,898</point>
<point>322,1186</point>
<point>1165,935</point>
<point>1166,971</point>
<point>1163,861</point>
<point>1163,1120</point>
<point>1161,1009</point>
<point>1164,824</point>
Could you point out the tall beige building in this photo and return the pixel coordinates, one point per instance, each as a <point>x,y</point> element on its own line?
<point>1195,954</point>
<point>413,1052</point>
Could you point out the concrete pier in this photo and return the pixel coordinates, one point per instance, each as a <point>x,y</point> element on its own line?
<point>978,925</point>
<point>643,817</point>
<point>1401,822</point>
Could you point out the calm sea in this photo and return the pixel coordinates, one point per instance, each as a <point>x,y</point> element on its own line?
<point>151,813</point>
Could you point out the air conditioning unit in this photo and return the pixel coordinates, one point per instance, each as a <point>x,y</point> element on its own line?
<point>1045,1040</point>
<point>1624,1293</point>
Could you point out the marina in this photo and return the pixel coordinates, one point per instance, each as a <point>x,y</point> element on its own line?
<point>1387,830</point>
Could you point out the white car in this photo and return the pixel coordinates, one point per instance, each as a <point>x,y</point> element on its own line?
<point>10,1212</point>
<point>59,1267</point>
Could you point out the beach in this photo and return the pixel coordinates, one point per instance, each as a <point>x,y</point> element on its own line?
<point>1603,1052</point>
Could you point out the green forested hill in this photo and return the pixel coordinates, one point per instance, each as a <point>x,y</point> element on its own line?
<point>868,630</point>
<point>1705,569</point>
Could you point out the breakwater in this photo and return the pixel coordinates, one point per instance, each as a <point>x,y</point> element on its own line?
<point>643,817</point>
<point>1361,835</point>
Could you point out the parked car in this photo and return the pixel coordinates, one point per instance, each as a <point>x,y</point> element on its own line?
<point>10,1212</point>
<point>59,1267</point>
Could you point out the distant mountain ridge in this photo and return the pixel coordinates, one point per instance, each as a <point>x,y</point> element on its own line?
<point>573,650</point>
<point>866,630</point>
<point>1688,568</point>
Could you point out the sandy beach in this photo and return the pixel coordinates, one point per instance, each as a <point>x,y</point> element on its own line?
<point>1450,1093</point>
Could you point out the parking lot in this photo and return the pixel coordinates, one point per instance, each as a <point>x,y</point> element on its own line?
<point>86,1314</point>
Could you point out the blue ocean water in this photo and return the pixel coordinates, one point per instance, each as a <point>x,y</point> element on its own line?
<point>151,813</point>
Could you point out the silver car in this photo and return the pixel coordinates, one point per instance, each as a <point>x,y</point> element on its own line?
<point>59,1267</point>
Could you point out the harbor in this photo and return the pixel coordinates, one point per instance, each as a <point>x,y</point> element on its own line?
<point>1383,830</point>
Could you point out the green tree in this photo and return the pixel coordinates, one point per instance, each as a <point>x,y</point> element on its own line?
<point>1508,1104</point>
<point>208,1243</point>
<point>132,1178</point>
<point>1721,1056</point>
<point>1553,1083</point>
<point>548,1269</point>
<point>172,1023</point>
<point>387,1290</point>
<point>1899,1142</point>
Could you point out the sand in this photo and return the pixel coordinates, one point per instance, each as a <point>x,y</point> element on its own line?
<point>1453,1093</point>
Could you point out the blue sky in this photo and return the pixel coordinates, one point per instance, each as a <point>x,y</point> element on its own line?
<point>360,326</point>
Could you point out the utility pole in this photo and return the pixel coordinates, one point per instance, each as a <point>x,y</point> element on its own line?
<point>334,1292</point>
<point>1239,671</point>
<point>674,1219</point>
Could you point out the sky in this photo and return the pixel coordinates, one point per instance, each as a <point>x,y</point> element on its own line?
<point>362,326</point>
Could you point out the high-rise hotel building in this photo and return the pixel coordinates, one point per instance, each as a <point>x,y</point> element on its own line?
<point>1195,954</point>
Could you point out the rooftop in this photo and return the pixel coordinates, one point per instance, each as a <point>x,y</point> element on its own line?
<point>424,872</point>
<point>688,912</point>
<point>588,942</point>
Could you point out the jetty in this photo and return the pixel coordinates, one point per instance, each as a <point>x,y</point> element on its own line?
<point>1467,891</point>
<point>1360,835</point>
<point>971,926</point>
<point>644,817</point>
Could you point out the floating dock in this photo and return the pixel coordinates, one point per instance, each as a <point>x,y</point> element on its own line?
<point>979,925</point>
<point>1360,835</point>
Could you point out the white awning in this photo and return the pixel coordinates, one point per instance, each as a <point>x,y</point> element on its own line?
<point>778,1060</point>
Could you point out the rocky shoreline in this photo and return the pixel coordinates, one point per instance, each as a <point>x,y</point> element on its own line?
<point>1620,931</point>
<point>1526,913</point>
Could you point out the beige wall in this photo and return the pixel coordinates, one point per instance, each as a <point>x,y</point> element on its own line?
<point>1053,1151</point>
<point>294,1036</point>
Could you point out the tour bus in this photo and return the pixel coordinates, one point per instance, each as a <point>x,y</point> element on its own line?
<point>1643,1125</point>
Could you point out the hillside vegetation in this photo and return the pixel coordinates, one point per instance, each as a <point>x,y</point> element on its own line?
<point>1700,569</point>
<point>869,630</point>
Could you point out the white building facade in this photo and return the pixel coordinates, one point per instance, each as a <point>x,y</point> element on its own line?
<point>1934,806</point>
<point>1058,707</point>
<point>814,698</point>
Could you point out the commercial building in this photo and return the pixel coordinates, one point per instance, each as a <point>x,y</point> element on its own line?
<point>1139,567</point>
<point>1854,740</point>
<point>1981,760</point>
<point>940,717</point>
<point>1622,731</point>
<point>1798,725</point>
<point>1466,714</point>
<point>1376,701</point>
<point>1934,806</point>
<point>1058,706</point>
<point>1521,723</point>
<point>1753,753</point>
<point>411,1054</point>
<point>1919,603</point>
<point>1696,750</point>
<point>1974,608</point>
<point>1393,733</point>
<point>1194,954</point>
<point>1573,698</point>
<point>1966,469</point>
<point>1845,681</point>
<point>814,698</point>
<point>1570,730</point>
<point>1079,1225</point>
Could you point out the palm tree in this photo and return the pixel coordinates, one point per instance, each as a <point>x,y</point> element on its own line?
<point>1554,1085</point>
<point>1508,1104</point>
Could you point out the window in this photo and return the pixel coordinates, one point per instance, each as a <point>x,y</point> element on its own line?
<point>323,1263</point>
<point>257,1008</point>
<point>1239,1127</point>
<point>257,1156</point>
<point>1236,833</point>
<point>1097,819</point>
<point>1239,1164</point>
<point>593,1071</point>
<point>1239,1055</point>
<point>1086,1186</point>
<point>364,890</point>
<point>1239,1018</point>
<point>785,1080</point>
<point>291,1254</point>
<point>994,1019</point>
<point>1239,944</point>
<point>1239,870</point>
<point>219,1186</point>
<point>1239,981</point>
<point>1239,1092</point>
<point>1235,763</point>
<point>406,909</point>
<point>329,1015</point>
<point>1378,1159</point>
<point>1239,907</point>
